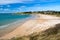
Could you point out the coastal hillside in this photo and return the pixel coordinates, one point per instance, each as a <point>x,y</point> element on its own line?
<point>49,34</point>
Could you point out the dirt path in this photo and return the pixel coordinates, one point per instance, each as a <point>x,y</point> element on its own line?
<point>41,23</point>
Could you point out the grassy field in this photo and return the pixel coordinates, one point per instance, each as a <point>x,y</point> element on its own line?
<point>49,34</point>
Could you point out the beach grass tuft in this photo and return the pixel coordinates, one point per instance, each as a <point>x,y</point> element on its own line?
<point>49,34</point>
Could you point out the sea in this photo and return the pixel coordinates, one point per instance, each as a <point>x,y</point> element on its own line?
<point>7,19</point>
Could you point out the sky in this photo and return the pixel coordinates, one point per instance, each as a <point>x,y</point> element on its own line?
<point>13,6</point>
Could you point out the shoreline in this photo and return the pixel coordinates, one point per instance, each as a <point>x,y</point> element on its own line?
<point>41,23</point>
<point>13,26</point>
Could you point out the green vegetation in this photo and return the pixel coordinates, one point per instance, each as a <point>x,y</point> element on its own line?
<point>56,13</point>
<point>23,13</point>
<point>49,34</point>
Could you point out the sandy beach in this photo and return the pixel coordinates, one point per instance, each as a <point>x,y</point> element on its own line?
<point>40,23</point>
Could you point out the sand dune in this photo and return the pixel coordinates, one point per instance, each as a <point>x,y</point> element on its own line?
<point>41,23</point>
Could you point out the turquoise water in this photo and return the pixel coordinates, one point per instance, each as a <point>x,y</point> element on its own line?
<point>9,18</point>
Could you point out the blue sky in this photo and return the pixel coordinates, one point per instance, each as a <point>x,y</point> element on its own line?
<point>12,6</point>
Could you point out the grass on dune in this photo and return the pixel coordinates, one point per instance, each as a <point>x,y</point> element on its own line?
<point>49,34</point>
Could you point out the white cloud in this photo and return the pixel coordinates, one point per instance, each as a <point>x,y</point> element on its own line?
<point>13,1</point>
<point>1,8</point>
<point>8,5</point>
<point>43,8</point>
<point>23,1</point>
<point>6,9</point>
<point>36,7</point>
<point>48,0</point>
<point>21,8</point>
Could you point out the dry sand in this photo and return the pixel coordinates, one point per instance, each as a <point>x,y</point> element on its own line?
<point>41,23</point>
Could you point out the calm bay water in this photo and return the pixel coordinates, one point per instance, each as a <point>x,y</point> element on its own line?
<point>9,18</point>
